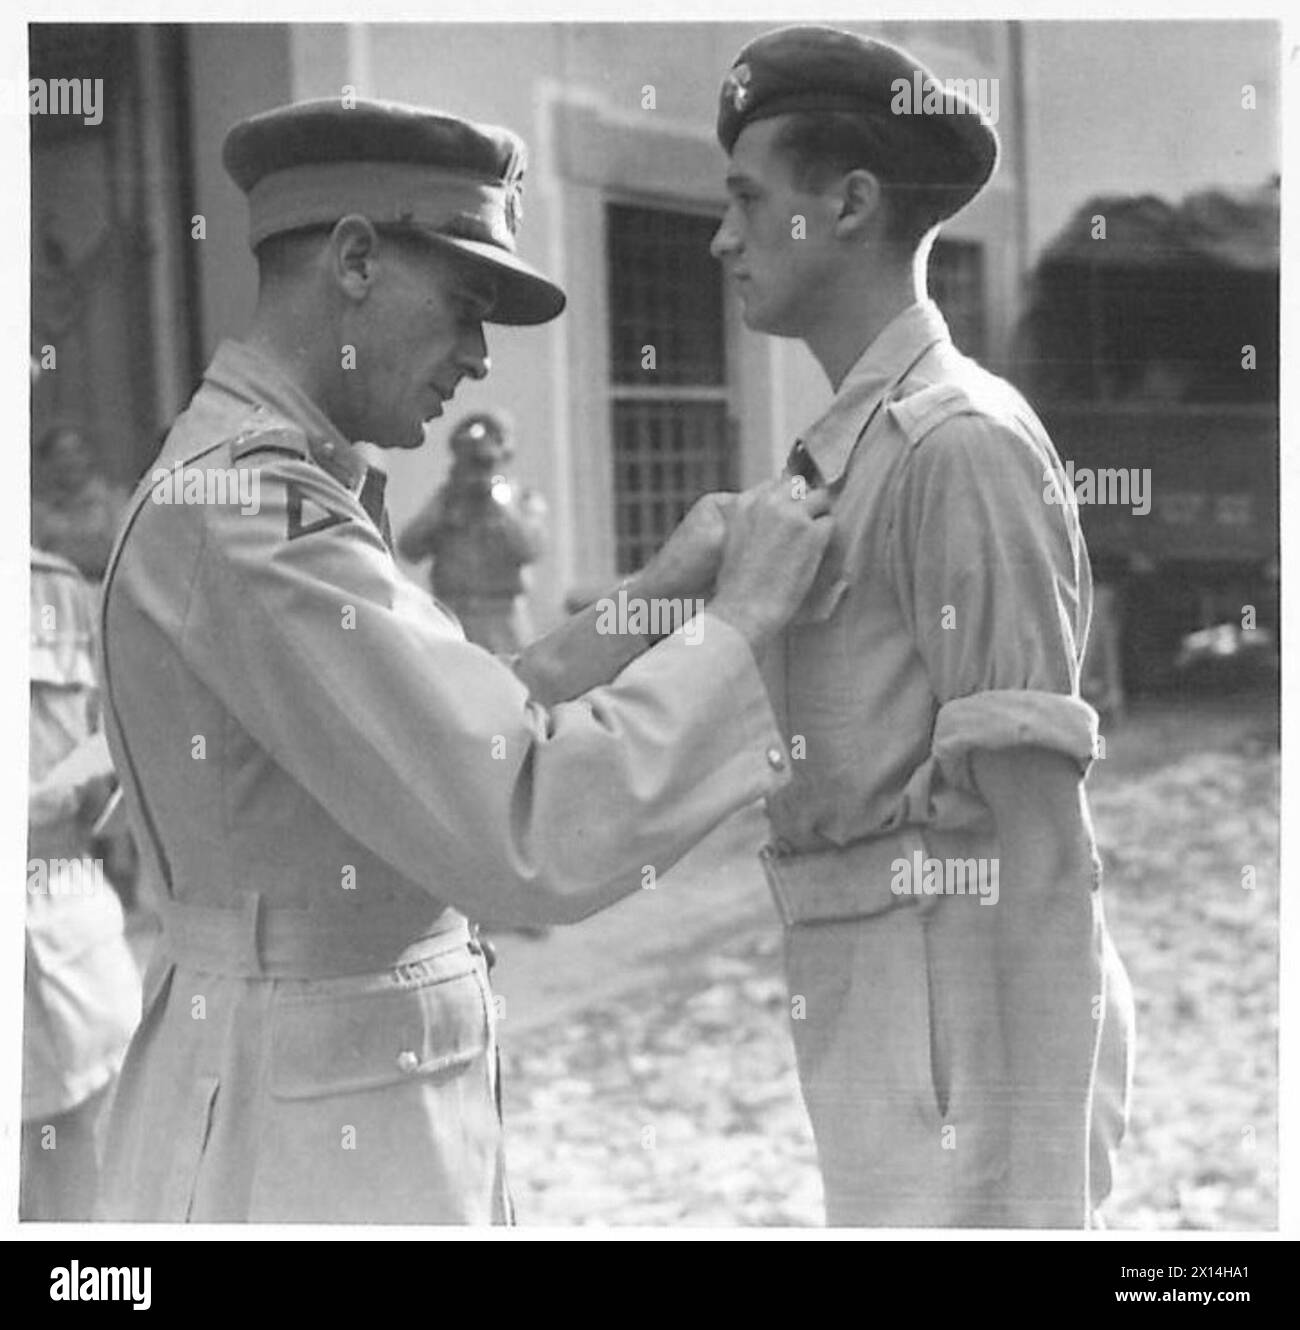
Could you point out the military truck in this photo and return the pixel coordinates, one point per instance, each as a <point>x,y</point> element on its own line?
<point>1149,346</point>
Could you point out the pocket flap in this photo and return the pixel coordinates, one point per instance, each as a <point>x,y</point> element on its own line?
<point>336,1043</point>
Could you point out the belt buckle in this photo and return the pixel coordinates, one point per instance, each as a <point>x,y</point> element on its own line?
<point>767,854</point>
<point>482,946</point>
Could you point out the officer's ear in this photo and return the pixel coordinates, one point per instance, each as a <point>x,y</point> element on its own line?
<point>353,243</point>
<point>863,207</point>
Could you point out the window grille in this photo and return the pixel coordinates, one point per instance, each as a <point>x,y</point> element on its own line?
<point>672,439</point>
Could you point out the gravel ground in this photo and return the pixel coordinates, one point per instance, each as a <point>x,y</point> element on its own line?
<point>676,1103</point>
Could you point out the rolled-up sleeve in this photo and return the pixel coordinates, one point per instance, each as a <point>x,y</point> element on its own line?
<point>432,753</point>
<point>994,581</point>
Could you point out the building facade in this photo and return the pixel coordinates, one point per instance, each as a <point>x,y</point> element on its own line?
<point>140,260</point>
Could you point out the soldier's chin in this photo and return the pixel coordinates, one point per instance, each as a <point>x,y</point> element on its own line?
<point>756,319</point>
<point>752,316</point>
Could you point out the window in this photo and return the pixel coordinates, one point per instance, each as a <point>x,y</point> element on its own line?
<point>112,263</point>
<point>957,287</point>
<point>672,438</point>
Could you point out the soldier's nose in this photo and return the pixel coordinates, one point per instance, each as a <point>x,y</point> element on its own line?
<point>723,242</point>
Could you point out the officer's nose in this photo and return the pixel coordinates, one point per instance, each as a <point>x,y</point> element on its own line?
<point>472,353</point>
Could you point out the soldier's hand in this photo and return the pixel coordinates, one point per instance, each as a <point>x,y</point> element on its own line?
<point>688,564</point>
<point>775,541</point>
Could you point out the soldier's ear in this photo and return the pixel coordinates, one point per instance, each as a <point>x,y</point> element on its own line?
<point>352,247</point>
<point>862,205</point>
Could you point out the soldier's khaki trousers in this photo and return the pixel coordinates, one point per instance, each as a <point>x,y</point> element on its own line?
<point>900,1057</point>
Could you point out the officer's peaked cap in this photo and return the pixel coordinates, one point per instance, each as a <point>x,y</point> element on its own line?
<point>459,183</point>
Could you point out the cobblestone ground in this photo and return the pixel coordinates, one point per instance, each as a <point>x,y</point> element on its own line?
<point>677,1103</point>
<point>679,1106</point>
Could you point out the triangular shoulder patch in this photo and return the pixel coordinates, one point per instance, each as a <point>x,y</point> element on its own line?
<point>308,515</point>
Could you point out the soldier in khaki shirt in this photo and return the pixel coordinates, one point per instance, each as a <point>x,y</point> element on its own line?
<point>327,776</point>
<point>962,1022</point>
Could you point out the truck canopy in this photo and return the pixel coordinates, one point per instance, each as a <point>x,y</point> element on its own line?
<point>1138,300</point>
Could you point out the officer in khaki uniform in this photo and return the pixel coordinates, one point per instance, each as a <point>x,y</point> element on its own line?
<point>330,779</point>
<point>964,1056</point>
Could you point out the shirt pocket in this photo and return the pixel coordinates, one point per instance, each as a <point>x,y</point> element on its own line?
<point>381,1105</point>
<point>820,638</point>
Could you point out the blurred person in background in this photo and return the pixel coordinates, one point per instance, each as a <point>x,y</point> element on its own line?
<point>82,986</point>
<point>75,510</point>
<point>482,531</point>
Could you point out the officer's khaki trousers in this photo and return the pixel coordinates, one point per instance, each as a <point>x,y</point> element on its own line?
<point>361,1098</point>
<point>60,1173</point>
<point>900,1056</point>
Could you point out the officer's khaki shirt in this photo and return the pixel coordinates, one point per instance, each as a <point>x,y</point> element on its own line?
<point>951,611</point>
<point>309,746</point>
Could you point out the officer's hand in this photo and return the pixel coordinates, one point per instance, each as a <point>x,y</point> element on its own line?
<point>775,542</point>
<point>688,564</point>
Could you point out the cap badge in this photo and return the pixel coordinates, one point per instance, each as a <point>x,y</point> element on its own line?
<point>737,87</point>
<point>514,203</point>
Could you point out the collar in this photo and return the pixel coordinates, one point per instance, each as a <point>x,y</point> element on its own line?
<point>896,348</point>
<point>238,369</point>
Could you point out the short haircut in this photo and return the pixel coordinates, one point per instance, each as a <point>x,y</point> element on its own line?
<point>822,145</point>
<point>287,253</point>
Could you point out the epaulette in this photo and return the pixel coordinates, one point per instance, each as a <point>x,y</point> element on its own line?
<point>271,436</point>
<point>922,411</point>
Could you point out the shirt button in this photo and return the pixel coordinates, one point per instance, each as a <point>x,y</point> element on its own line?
<point>407,1061</point>
<point>775,758</point>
